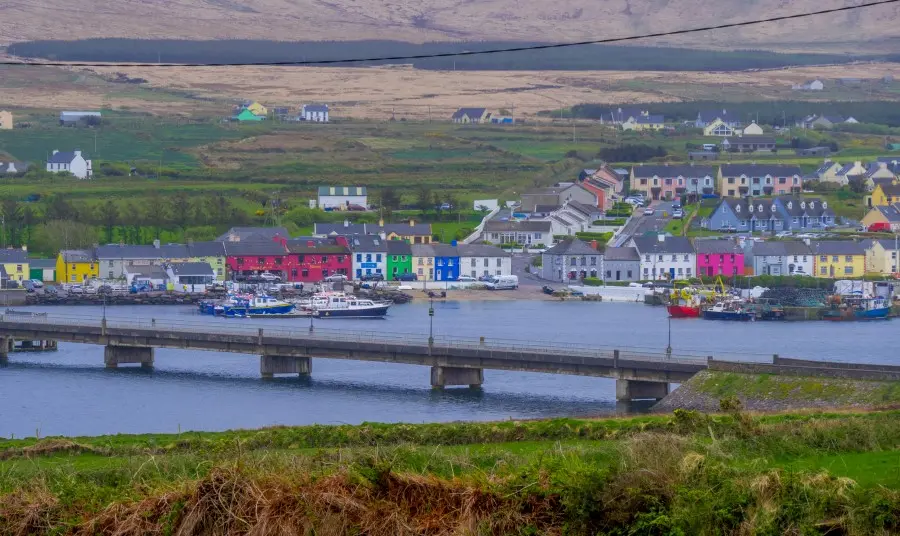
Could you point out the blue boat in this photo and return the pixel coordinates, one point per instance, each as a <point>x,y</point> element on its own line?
<point>728,310</point>
<point>856,307</point>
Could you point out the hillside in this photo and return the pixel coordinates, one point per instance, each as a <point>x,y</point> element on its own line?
<point>442,20</point>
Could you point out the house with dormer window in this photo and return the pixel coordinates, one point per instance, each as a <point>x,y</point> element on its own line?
<point>788,213</point>
<point>670,182</point>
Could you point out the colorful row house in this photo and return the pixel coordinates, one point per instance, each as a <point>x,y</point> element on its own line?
<point>719,257</point>
<point>76,266</point>
<point>297,261</point>
<point>14,263</point>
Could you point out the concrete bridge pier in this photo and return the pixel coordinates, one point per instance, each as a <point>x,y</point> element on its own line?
<point>270,365</point>
<point>6,345</point>
<point>628,390</point>
<point>443,376</point>
<point>114,356</point>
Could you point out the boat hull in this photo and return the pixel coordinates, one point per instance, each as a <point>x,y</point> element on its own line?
<point>851,316</point>
<point>727,315</point>
<point>683,311</point>
<point>371,312</point>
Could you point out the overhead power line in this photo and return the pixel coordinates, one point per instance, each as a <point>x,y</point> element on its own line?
<point>472,52</point>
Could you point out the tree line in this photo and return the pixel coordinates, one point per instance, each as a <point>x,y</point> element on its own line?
<point>593,57</point>
<point>773,113</point>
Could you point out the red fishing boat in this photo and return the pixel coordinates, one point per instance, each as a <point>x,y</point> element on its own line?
<point>685,300</point>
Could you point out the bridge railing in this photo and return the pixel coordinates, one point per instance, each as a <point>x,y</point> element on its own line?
<point>302,333</point>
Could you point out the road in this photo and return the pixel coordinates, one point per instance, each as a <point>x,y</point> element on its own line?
<point>640,224</point>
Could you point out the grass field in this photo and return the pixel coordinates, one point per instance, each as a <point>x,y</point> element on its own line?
<point>686,473</point>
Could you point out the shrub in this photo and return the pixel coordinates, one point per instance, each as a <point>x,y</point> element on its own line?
<point>614,222</point>
<point>601,238</point>
<point>593,281</point>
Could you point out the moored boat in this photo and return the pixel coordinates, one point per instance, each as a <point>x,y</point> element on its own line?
<point>857,308</point>
<point>728,309</point>
<point>340,305</point>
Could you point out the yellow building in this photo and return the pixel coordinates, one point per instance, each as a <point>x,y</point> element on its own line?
<point>413,233</point>
<point>719,128</point>
<point>6,120</point>
<point>14,262</point>
<point>258,109</point>
<point>423,262</point>
<point>839,259</point>
<point>212,253</point>
<point>881,257</point>
<point>76,266</point>
<point>644,122</point>
<point>888,214</point>
<point>885,194</point>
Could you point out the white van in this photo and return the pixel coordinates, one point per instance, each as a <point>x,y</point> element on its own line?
<point>503,282</point>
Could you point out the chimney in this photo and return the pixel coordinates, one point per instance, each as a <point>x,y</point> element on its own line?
<point>25,248</point>
<point>55,151</point>
<point>381,222</point>
<point>382,235</point>
<point>806,241</point>
<point>156,243</point>
<point>594,244</point>
<point>190,241</point>
<point>346,223</point>
<point>412,222</point>
<point>661,237</point>
<point>77,153</point>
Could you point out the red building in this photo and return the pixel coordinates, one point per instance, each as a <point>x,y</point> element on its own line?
<point>244,259</point>
<point>314,259</point>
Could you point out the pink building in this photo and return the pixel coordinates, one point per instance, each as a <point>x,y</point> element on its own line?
<point>719,257</point>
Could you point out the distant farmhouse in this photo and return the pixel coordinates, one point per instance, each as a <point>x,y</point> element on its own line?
<point>826,122</point>
<point>74,119</point>
<point>13,168</point>
<point>644,122</point>
<point>70,161</point>
<point>707,117</point>
<point>809,85</point>
<point>471,115</point>
<point>343,197</point>
<point>316,113</point>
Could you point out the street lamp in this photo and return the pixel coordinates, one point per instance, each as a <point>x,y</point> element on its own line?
<point>669,347</point>
<point>430,323</point>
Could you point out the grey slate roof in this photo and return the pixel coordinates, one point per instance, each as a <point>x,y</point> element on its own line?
<point>523,226</point>
<point>77,255</point>
<point>891,212</point>
<point>481,250</point>
<point>254,233</point>
<point>587,210</point>
<point>760,170</point>
<point>42,263</point>
<point>317,246</point>
<point>838,247</point>
<point>812,206</point>
<point>19,167</point>
<point>315,107</point>
<point>760,206</point>
<point>116,251</point>
<point>244,249</point>
<point>546,208</point>
<point>708,116</point>
<point>364,243</point>
<point>672,244</point>
<point>779,248</point>
<point>62,157</point>
<point>717,246</point>
<point>887,243</point>
<point>342,190</point>
<point>572,247</point>
<point>206,249</point>
<point>192,268</point>
<point>17,256</point>
<point>444,250</point>
<point>650,119</point>
<point>399,247</point>
<point>621,254</point>
<point>151,271</point>
<point>744,140</point>
<point>664,171</point>
<point>404,229</point>
<point>471,112</point>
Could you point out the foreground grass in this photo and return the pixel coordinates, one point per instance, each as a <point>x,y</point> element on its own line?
<point>689,473</point>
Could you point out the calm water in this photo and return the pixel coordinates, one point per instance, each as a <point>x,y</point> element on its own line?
<point>70,393</point>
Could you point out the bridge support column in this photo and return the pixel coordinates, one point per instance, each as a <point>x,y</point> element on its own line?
<point>270,365</point>
<point>443,376</point>
<point>114,356</point>
<point>628,390</point>
<point>5,348</point>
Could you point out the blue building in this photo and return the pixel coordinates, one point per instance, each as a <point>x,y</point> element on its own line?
<point>786,213</point>
<point>446,262</point>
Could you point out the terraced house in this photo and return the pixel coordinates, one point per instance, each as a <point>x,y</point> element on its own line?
<point>668,182</point>
<point>666,257</point>
<point>839,258</point>
<point>15,263</point>
<point>739,180</point>
<point>882,255</point>
<point>786,213</point>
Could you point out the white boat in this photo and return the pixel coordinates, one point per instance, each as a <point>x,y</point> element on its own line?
<point>340,305</point>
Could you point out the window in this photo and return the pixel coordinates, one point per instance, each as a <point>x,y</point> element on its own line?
<point>74,278</point>
<point>110,275</point>
<point>647,258</point>
<point>573,261</point>
<point>593,261</point>
<point>824,271</point>
<point>403,258</point>
<point>487,262</point>
<point>823,258</point>
<point>646,272</point>
<point>804,258</point>
<point>659,258</point>
<point>358,257</point>
<point>499,272</point>
<point>584,261</point>
<point>421,272</point>
<point>73,267</point>
<point>643,182</point>
<point>261,260</point>
<point>499,263</point>
<point>848,258</point>
<point>674,258</point>
<point>848,270</point>
<point>731,181</point>
<point>300,259</point>
<point>474,263</point>
<point>834,258</point>
<point>305,274</point>
<point>340,259</point>
<point>278,261</point>
<point>430,261</point>
<point>688,272</point>
<point>368,257</point>
<point>687,258</point>
<point>294,273</point>
<point>629,274</point>
<point>324,258</point>
<point>324,272</point>
<point>240,261</point>
<point>608,274</point>
<point>706,258</point>
<point>680,272</point>
<point>377,257</point>
<point>18,267</point>
<point>474,272</point>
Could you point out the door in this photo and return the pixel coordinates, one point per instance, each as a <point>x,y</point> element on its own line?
<point>618,275</point>
<point>671,274</point>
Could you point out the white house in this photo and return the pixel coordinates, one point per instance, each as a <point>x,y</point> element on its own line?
<point>72,162</point>
<point>532,233</point>
<point>777,257</point>
<point>190,276</point>
<point>317,113</point>
<point>342,197</point>
<point>753,129</point>
<point>666,257</point>
<point>809,85</point>
<point>478,260</point>
<point>370,253</point>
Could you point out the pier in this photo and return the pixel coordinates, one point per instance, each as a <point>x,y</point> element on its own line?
<point>454,361</point>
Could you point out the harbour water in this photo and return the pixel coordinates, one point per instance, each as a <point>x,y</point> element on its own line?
<point>70,393</point>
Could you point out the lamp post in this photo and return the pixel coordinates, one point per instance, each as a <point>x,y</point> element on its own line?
<point>669,347</point>
<point>430,323</point>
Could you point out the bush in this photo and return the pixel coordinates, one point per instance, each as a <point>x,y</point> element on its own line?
<point>593,281</point>
<point>614,221</point>
<point>601,238</point>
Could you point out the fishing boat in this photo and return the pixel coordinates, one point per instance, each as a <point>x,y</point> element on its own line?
<point>856,307</point>
<point>340,305</point>
<point>728,309</point>
<point>239,306</point>
<point>765,309</point>
<point>684,303</point>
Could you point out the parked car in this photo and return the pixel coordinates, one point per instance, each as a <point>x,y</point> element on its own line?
<point>485,278</point>
<point>37,283</point>
<point>407,277</point>
<point>547,289</point>
<point>678,214</point>
<point>51,290</point>
<point>466,279</point>
<point>880,227</point>
<point>649,212</point>
<point>372,277</point>
<point>75,289</point>
<point>269,277</point>
<point>503,282</point>
<point>336,278</point>
<point>28,286</point>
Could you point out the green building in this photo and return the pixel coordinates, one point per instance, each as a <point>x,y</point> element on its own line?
<point>399,259</point>
<point>42,270</point>
<point>247,115</point>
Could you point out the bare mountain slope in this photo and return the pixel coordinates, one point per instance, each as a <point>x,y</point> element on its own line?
<point>439,20</point>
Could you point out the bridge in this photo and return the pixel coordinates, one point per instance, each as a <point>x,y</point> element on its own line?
<point>454,361</point>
